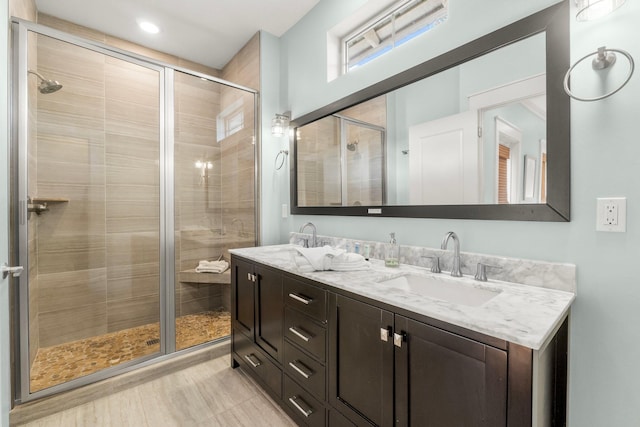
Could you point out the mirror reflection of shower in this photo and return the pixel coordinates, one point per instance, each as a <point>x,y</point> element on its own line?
<point>46,86</point>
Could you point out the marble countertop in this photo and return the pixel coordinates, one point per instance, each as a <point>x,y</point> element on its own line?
<point>522,314</point>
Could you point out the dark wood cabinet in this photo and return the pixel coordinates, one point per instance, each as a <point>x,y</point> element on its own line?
<point>268,311</point>
<point>389,370</point>
<point>243,298</point>
<point>443,379</point>
<point>331,358</point>
<point>257,313</point>
<point>360,363</point>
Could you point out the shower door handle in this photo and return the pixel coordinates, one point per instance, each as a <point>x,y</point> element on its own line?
<point>14,271</point>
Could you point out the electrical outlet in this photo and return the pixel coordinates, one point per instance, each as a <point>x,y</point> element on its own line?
<point>611,214</point>
<point>285,210</point>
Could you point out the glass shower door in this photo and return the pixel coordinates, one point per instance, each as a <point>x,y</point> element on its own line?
<point>90,181</point>
<point>214,186</point>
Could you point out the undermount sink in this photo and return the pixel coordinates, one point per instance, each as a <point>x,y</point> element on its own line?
<point>445,289</point>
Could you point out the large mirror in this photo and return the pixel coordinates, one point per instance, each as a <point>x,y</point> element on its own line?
<point>479,132</point>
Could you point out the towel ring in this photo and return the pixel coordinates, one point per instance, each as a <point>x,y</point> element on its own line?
<point>284,154</point>
<point>604,59</point>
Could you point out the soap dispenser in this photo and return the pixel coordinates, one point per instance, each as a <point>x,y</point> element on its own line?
<point>392,253</point>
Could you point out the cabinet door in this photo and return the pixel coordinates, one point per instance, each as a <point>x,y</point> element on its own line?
<point>360,362</point>
<point>269,311</point>
<point>243,298</point>
<point>443,379</point>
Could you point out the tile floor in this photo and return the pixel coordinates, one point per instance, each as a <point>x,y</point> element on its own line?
<point>207,394</point>
<point>64,362</point>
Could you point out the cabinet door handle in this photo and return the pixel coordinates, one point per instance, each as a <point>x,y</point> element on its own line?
<point>299,406</point>
<point>300,370</point>
<point>251,362</point>
<point>385,333</point>
<point>299,334</point>
<point>249,277</point>
<point>301,299</point>
<point>398,338</point>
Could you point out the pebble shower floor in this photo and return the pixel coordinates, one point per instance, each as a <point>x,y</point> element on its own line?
<point>65,362</point>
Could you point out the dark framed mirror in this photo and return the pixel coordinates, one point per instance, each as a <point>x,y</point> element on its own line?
<point>480,132</point>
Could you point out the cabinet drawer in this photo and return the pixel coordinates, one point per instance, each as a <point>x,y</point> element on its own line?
<point>305,370</point>
<point>304,332</point>
<point>309,410</point>
<point>258,362</point>
<point>308,298</point>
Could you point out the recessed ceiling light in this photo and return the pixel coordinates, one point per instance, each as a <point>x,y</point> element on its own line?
<point>149,27</point>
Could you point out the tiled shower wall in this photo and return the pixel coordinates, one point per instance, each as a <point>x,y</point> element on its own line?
<point>98,256</point>
<point>98,253</point>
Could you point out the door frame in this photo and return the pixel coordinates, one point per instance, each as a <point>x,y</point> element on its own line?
<point>19,190</point>
<point>5,323</point>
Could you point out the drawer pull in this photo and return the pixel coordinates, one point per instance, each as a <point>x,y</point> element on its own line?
<point>300,370</point>
<point>294,401</point>
<point>251,362</point>
<point>298,298</point>
<point>299,334</point>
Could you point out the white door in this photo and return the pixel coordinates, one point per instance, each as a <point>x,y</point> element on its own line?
<point>444,162</point>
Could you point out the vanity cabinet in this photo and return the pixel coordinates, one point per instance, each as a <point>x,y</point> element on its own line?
<point>332,358</point>
<point>257,312</point>
<point>439,378</point>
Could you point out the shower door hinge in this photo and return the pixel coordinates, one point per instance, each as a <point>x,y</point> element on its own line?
<point>479,131</point>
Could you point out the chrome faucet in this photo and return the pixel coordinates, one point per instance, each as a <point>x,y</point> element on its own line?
<point>313,234</point>
<point>455,269</point>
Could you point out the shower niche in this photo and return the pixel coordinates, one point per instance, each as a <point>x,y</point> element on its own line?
<point>113,207</point>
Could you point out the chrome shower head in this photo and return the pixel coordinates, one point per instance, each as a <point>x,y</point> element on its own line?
<point>47,86</point>
<point>353,145</point>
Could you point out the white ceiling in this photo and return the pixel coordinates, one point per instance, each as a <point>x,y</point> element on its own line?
<point>209,32</point>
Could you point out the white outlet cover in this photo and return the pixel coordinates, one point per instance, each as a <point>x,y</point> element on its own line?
<point>601,221</point>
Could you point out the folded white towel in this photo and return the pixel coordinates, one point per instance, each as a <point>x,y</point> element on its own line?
<point>212,266</point>
<point>349,262</point>
<point>319,257</point>
<point>326,258</point>
<point>303,264</point>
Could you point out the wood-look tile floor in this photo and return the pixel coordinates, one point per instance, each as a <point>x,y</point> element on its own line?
<point>64,362</point>
<point>208,394</point>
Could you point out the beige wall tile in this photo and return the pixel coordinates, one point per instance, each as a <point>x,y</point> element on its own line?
<point>25,9</point>
<point>59,253</point>
<point>135,280</point>
<point>131,312</point>
<point>67,325</point>
<point>132,248</point>
<point>69,27</point>
<point>66,290</point>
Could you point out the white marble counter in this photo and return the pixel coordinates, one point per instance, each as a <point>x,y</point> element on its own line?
<point>522,314</point>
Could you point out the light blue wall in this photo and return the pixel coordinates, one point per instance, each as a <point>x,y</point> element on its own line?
<point>5,390</point>
<point>605,350</point>
<point>274,183</point>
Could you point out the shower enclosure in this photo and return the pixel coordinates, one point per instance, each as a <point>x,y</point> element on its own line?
<point>126,173</point>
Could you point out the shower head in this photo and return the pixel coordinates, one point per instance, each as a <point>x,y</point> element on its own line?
<point>46,86</point>
<point>353,145</point>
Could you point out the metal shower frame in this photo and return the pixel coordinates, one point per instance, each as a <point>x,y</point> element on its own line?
<point>19,182</point>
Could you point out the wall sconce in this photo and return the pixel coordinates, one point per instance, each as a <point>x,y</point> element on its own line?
<point>588,10</point>
<point>204,167</point>
<point>280,124</point>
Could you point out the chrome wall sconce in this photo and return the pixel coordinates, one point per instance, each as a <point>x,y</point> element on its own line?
<point>588,10</point>
<point>204,167</point>
<point>604,58</point>
<point>280,124</point>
